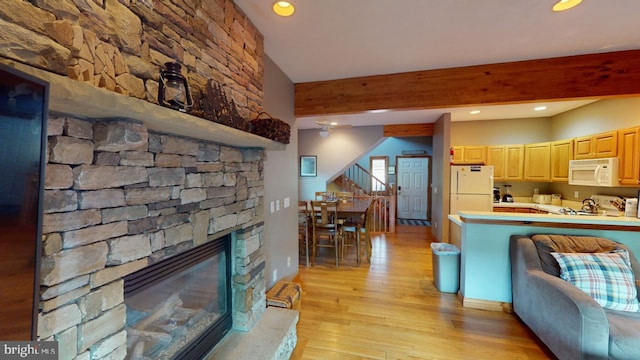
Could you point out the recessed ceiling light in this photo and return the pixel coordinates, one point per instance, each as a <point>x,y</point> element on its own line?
<point>473,112</point>
<point>540,108</point>
<point>333,123</point>
<point>563,5</point>
<point>283,8</point>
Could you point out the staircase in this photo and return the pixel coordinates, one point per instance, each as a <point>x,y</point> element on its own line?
<point>362,183</point>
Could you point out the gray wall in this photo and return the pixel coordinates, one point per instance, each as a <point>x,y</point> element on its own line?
<point>501,132</point>
<point>280,180</point>
<point>334,153</point>
<point>597,117</point>
<point>441,174</point>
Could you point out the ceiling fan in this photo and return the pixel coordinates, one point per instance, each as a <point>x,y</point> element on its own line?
<point>326,127</point>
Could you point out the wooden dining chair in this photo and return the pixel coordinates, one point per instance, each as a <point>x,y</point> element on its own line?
<point>321,196</point>
<point>325,229</point>
<point>344,195</point>
<point>363,229</point>
<point>304,229</point>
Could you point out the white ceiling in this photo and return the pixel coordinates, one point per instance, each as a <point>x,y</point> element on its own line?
<point>333,39</point>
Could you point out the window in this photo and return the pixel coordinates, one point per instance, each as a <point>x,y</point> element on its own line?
<point>379,172</point>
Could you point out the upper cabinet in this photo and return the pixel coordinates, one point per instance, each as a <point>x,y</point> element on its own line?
<point>514,162</point>
<point>537,160</point>
<point>469,155</point>
<point>629,156</point>
<point>495,158</point>
<point>596,146</point>
<point>561,154</point>
<point>549,161</point>
<point>507,161</point>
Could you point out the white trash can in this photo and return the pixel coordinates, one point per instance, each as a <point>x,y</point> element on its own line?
<point>446,267</point>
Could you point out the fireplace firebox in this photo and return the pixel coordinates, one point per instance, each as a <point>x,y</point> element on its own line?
<point>180,307</point>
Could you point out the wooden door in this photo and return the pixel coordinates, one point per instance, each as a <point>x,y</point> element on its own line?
<point>561,154</point>
<point>629,159</point>
<point>514,162</point>
<point>413,185</point>
<point>496,158</point>
<point>537,158</point>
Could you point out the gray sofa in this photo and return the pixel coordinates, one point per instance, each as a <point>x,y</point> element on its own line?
<point>570,323</point>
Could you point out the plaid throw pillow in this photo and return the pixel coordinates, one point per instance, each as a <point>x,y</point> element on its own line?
<point>606,277</point>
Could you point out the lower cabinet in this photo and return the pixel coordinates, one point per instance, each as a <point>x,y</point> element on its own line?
<point>520,210</point>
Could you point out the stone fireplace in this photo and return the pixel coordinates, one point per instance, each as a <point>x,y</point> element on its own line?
<point>119,199</point>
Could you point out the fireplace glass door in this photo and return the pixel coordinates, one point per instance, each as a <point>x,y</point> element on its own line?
<point>23,131</point>
<point>177,304</point>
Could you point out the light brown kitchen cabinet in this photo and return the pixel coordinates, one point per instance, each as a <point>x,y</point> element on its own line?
<point>507,161</point>
<point>514,162</point>
<point>596,146</point>
<point>469,154</point>
<point>629,156</point>
<point>537,162</point>
<point>496,158</point>
<point>561,154</point>
<point>458,152</point>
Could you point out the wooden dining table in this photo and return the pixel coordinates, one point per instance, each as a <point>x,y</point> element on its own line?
<point>348,209</point>
<point>356,207</point>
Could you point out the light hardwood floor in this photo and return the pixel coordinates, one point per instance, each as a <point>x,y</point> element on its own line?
<point>390,309</point>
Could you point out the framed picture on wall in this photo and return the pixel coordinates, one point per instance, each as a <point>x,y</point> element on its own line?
<point>308,166</point>
<point>391,170</point>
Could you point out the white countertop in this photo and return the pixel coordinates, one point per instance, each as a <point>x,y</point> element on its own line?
<point>548,218</point>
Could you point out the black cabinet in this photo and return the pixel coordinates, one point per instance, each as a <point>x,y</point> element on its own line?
<point>23,131</point>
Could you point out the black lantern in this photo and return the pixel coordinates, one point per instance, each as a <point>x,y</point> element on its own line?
<point>173,91</point>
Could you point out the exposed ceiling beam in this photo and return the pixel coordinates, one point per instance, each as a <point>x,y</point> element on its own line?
<point>405,130</point>
<point>583,76</point>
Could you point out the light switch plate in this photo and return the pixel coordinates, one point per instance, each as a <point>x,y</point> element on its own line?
<point>287,202</point>
<point>273,207</point>
<point>277,205</point>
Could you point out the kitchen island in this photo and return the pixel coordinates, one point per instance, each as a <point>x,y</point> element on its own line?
<point>485,272</point>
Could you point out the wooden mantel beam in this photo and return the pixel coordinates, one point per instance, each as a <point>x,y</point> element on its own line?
<point>602,75</point>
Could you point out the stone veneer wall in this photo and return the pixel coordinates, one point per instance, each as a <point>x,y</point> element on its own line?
<point>121,45</point>
<point>118,198</point>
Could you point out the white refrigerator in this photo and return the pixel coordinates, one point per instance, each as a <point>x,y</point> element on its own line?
<point>471,188</point>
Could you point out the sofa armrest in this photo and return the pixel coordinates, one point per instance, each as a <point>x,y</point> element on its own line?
<point>567,320</point>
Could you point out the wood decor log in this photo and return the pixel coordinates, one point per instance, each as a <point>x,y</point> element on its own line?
<point>214,105</point>
<point>271,128</point>
<point>162,310</point>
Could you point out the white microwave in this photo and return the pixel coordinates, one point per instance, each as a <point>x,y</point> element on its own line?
<point>594,172</point>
